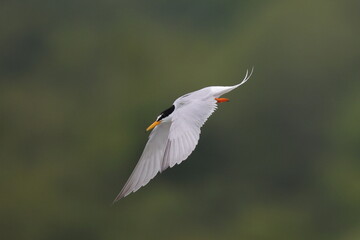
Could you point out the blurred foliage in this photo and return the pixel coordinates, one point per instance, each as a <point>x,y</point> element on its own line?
<point>81,80</point>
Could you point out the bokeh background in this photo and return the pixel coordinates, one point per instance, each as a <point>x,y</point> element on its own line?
<point>81,80</point>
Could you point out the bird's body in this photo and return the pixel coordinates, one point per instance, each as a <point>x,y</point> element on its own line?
<point>175,134</point>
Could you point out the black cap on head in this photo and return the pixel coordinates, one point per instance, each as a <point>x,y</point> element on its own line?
<point>166,113</point>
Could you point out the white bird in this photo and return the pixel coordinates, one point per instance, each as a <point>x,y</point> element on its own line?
<point>175,134</point>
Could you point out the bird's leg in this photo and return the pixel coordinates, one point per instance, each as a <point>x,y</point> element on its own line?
<point>220,100</point>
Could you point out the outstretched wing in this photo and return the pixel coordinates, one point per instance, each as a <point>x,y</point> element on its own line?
<point>150,161</point>
<point>185,130</point>
<point>169,144</point>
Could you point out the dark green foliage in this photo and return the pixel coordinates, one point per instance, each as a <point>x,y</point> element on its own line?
<point>81,80</point>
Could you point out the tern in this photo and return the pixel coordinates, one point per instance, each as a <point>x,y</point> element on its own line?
<point>175,134</point>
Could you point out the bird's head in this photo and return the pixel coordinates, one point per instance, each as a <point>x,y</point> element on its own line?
<point>163,116</point>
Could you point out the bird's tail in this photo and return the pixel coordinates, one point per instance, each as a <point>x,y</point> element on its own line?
<point>222,90</point>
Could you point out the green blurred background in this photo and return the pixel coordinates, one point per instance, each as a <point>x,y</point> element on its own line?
<point>81,80</point>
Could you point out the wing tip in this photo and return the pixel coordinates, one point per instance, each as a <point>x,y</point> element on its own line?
<point>120,196</point>
<point>125,192</point>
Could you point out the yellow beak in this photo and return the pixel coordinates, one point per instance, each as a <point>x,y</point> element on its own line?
<point>153,125</point>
